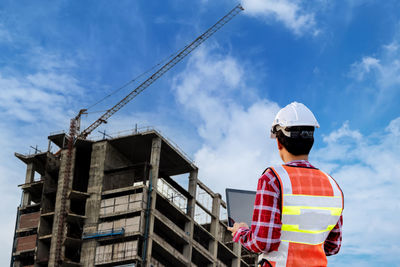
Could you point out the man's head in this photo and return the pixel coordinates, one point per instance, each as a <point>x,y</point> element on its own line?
<point>293,127</point>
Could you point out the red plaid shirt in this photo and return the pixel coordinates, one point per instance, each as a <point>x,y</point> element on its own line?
<point>265,232</point>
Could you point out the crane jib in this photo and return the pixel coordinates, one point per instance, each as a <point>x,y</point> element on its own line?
<point>185,51</point>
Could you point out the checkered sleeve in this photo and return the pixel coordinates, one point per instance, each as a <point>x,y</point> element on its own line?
<point>264,234</point>
<point>334,240</point>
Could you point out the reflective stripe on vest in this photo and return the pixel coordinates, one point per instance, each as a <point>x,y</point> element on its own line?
<point>310,210</point>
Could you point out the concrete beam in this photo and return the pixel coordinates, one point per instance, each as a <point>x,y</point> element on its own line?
<point>173,227</point>
<point>171,250</point>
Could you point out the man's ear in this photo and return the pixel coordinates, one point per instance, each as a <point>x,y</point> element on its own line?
<point>280,146</point>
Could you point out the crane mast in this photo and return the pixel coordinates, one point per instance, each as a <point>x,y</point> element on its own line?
<point>75,122</point>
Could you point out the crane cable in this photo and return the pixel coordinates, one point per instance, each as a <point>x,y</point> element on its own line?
<point>132,81</point>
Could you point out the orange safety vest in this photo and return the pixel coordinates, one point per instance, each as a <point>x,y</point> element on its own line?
<point>312,204</point>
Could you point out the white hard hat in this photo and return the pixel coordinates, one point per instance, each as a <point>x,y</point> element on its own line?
<point>294,114</point>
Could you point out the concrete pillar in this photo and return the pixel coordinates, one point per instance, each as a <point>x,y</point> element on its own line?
<point>95,184</point>
<point>29,178</point>
<point>187,250</point>
<point>237,249</point>
<point>214,227</point>
<point>30,173</point>
<point>154,171</point>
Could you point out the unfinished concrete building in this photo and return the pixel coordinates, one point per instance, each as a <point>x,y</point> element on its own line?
<point>124,208</point>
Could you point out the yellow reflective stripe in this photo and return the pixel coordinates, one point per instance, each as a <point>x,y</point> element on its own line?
<point>295,228</point>
<point>294,195</point>
<point>296,210</point>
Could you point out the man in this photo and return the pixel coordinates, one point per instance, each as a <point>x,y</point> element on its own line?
<point>297,217</point>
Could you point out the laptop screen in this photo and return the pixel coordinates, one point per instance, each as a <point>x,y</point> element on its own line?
<point>240,204</point>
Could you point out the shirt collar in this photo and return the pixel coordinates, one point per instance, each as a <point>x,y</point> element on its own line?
<point>301,163</point>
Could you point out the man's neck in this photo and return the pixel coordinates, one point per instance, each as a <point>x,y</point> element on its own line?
<point>290,157</point>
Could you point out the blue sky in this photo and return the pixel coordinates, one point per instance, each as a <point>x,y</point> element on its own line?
<point>340,58</point>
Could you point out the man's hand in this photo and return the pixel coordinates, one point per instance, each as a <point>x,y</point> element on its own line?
<point>236,227</point>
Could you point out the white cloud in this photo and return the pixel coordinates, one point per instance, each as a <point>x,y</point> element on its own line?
<point>365,66</point>
<point>392,47</point>
<point>290,12</point>
<point>342,132</point>
<point>383,70</point>
<point>27,100</point>
<point>41,96</point>
<point>49,61</point>
<point>5,36</point>
<point>63,83</point>
<point>236,145</point>
<point>394,127</point>
<point>367,168</point>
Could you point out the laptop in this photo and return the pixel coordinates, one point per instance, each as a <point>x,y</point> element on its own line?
<point>240,204</point>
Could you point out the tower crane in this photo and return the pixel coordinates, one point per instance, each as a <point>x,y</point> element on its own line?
<point>74,130</point>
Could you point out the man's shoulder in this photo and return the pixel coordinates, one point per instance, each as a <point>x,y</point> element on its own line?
<point>268,174</point>
<point>270,181</point>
